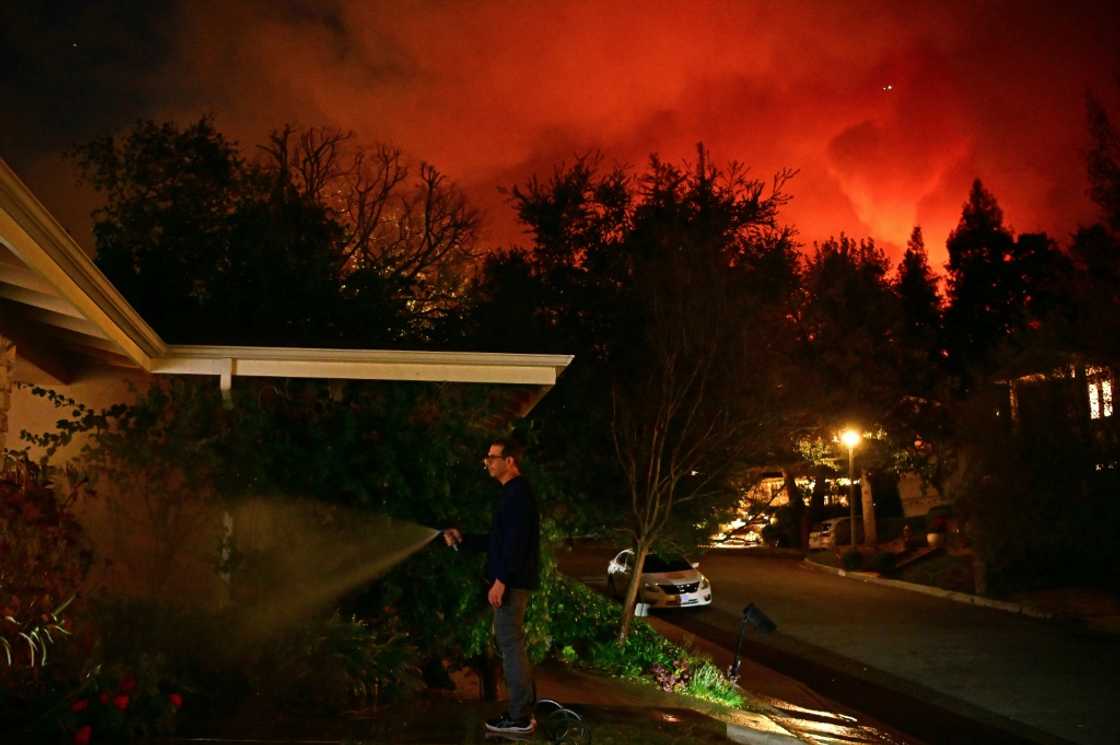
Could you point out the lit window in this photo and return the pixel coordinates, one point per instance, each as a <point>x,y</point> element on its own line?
<point>1100,398</point>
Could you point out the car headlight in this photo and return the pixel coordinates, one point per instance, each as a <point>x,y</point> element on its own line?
<point>650,587</point>
<point>705,584</point>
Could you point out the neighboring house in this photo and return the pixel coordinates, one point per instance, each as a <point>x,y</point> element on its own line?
<point>64,326</point>
<point>1084,393</point>
<point>1076,399</point>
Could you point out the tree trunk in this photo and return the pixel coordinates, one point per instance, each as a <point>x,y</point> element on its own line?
<point>816,499</point>
<point>797,508</point>
<point>870,533</point>
<point>632,590</point>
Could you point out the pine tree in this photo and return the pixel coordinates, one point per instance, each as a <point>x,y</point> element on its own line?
<point>920,305</point>
<point>985,298</point>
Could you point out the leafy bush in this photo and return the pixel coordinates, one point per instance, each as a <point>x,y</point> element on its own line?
<point>188,649</point>
<point>585,629</point>
<point>44,557</point>
<point>852,560</point>
<point>1038,501</point>
<point>329,665</point>
<point>117,703</point>
<point>882,562</point>
<point>710,683</point>
<point>324,664</point>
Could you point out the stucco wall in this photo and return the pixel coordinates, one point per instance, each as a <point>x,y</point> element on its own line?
<point>97,390</point>
<point>138,549</point>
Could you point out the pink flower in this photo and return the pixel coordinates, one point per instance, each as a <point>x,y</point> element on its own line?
<point>121,701</point>
<point>83,735</point>
<point>80,705</point>
<point>175,699</point>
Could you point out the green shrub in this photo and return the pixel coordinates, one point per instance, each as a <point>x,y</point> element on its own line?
<point>324,664</point>
<point>328,665</point>
<point>585,629</point>
<point>710,683</point>
<point>882,562</point>
<point>118,703</point>
<point>44,557</point>
<point>614,659</point>
<point>852,560</point>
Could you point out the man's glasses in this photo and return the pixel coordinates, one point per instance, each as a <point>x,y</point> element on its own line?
<point>490,457</point>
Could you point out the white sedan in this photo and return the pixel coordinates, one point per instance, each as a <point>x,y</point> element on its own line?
<point>666,583</point>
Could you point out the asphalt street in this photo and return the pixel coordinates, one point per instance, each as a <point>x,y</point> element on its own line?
<point>928,666</point>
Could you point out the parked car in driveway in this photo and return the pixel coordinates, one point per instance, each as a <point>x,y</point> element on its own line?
<point>833,532</point>
<point>821,536</point>
<point>667,582</point>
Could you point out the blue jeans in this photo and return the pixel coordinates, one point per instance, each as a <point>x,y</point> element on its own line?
<point>509,631</point>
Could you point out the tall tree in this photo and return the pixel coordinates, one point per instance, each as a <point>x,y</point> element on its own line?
<point>672,288</point>
<point>690,395</point>
<point>314,241</point>
<point>849,324</point>
<point>916,285</point>
<point>851,371</point>
<point>986,301</point>
<point>1104,163</point>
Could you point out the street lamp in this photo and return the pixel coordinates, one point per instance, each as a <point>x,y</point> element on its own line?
<point>851,437</point>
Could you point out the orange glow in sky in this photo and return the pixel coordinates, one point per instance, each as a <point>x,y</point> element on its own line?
<point>888,110</point>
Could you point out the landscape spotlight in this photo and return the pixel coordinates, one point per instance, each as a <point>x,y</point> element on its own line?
<point>752,616</point>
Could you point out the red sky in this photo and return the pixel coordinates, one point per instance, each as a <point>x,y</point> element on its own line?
<point>493,92</point>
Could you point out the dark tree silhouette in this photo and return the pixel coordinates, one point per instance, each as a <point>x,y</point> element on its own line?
<point>1104,163</point>
<point>314,242</point>
<point>916,286</point>
<point>672,288</point>
<point>987,299</point>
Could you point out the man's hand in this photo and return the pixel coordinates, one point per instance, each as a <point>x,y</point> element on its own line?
<point>452,537</point>
<point>497,590</point>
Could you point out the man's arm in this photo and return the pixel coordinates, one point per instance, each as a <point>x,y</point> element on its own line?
<point>455,538</point>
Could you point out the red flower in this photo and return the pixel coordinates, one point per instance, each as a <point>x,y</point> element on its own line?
<point>83,734</point>
<point>128,683</point>
<point>175,699</point>
<point>80,705</point>
<point>104,697</point>
<point>121,701</point>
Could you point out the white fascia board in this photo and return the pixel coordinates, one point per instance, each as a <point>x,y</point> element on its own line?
<point>41,244</point>
<point>30,232</point>
<point>351,364</point>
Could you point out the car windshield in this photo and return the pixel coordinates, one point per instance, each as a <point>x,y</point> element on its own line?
<point>655,563</point>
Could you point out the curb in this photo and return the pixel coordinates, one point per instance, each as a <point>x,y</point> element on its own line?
<point>957,597</point>
<point>745,727</point>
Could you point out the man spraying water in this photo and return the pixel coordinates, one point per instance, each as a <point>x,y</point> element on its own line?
<point>512,567</point>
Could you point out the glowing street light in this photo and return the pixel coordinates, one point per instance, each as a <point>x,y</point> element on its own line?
<point>851,438</point>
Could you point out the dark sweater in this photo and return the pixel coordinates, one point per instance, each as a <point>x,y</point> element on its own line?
<point>513,547</point>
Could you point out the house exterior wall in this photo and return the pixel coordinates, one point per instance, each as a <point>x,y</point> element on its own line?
<point>917,495</point>
<point>97,390</point>
<point>135,553</point>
